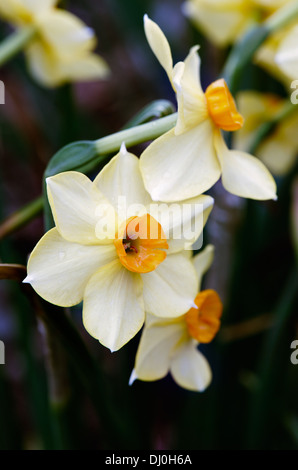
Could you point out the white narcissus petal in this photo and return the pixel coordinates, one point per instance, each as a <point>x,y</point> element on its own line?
<point>183,222</point>
<point>189,367</point>
<point>287,54</point>
<point>179,167</point>
<point>265,56</point>
<point>113,309</point>
<point>121,183</point>
<point>59,270</point>
<point>75,204</point>
<point>159,45</point>
<point>86,68</point>
<point>66,34</point>
<point>157,343</point>
<point>192,105</point>
<point>243,174</point>
<point>202,262</point>
<point>170,289</point>
<point>38,5</point>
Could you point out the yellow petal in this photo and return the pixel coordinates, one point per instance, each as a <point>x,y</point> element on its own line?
<point>113,309</point>
<point>77,207</point>
<point>178,167</point>
<point>243,174</point>
<point>278,154</point>
<point>189,367</point>
<point>59,270</point>
<point>23,12</point>
<point>159,45</point>
<point>157,344</point>
<point>202,262</point>
<point>121,183</point>
<point>169,291</point>
<point>256,107</point>
<point>222,22</point>
<point>43,65</point>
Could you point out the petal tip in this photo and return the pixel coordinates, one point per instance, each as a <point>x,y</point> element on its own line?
<point>133,377</point>
<point>27,280</point>
<point>123,149</point>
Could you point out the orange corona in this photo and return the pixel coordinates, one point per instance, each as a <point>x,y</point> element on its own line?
<point>140,244</point>
<point>203,322</point>
<point>222,108</point>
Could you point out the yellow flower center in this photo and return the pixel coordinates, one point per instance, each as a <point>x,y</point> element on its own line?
<point>203,322</point>
<point>140,244</point>
<point>222,108</point>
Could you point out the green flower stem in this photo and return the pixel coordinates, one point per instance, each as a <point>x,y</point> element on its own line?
<point>135,135</point>
<point>21,217</point>
<point>243,51</point>
<point>16,43</point>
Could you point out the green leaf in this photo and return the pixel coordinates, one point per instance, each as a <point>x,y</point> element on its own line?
<point>74,156</point>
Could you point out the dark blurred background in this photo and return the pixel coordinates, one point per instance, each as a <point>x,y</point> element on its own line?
<point>252,401</point>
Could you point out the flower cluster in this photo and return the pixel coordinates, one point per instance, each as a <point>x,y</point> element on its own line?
<point>122,243</point>
<point>224,22</point>
<point>61,46</point>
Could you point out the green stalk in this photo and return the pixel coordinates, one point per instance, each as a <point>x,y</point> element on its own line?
<point>135,135</point>
<point>21,217</point>
<point>16,43</point>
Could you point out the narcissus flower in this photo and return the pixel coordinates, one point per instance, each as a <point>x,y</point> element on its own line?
<point>61,49</point>
<point>279,149</point>
<point>116,251</point>
<point>171,345</point>
<point>277,60</point>
<point>191,157</point>
<point>287,53</point>
<point>224,21</point>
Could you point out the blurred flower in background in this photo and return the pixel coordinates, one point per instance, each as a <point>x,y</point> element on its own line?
<point>279,149</point>
<point>224,21</point>
<point>60,45</point>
